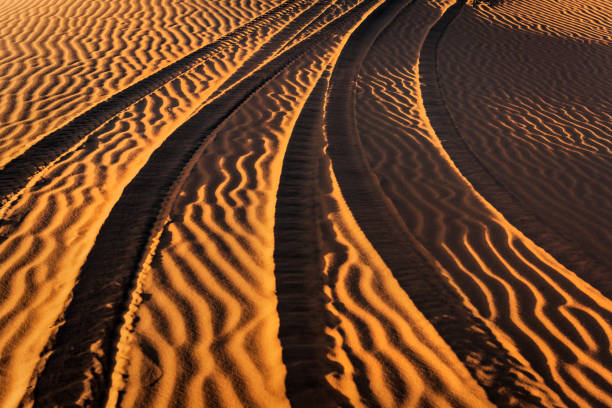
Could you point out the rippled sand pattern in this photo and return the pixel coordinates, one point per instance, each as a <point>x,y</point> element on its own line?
<point>59,58</point>
<point>307,203</point>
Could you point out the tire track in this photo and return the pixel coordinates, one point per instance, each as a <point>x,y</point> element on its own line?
<point>129,226</point>
<point>411,265</point>
<point>104,295</point>
<point>299,266</point>
<point>566,251</point>
<point>18,171</point>
<point>51,227</point>
<point>533,305</point>
<point>347,343</point>
<point>219,238</point>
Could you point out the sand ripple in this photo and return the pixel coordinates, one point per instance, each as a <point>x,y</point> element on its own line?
<point>51,69</point>
<point>533,304</point>
<point>545,134</point>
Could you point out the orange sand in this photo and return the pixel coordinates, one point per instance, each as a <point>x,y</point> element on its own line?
<point>305,203</point>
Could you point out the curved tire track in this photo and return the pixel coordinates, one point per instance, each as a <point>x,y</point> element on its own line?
<point>105,282</point>
<point>465,333</point>
<point>298,260</point>
<point>84,351</point>
<point>566,251</point>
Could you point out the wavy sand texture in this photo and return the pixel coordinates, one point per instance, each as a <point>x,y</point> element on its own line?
<point>535,108</point>
<point>389,352</point>
<point>582,20</point>
<point>212,281</point>
<point>60,58</point>
<point>241,46</point>
<point>81,361</point>
<point>553,324</point>
<point>212,277</point>
<point>335,207</point>
<point>52,223</point>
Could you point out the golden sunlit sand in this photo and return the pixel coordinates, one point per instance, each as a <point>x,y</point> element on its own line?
<point>307,203</point>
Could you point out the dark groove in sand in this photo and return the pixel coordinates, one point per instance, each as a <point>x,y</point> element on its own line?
<point>106,280</point>
<point>299,265</point>
<point>429,290</point>
<point>15,175</point>
<point>565,250</point>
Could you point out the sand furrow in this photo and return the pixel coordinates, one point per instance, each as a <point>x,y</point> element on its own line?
<point>300,281</point>
<point>102,295</point>
<point>333,10</point>
<point>211,281</point>
<point>83,184</point>
<point>141,210</point>
<point>385,228</point>
<point>531,303</point>
<point>125,42</point>
<point>568,252</point>
<point>327,323</point>
<point>234,45</point>
<point>217,239</point>
<point>391,354</point>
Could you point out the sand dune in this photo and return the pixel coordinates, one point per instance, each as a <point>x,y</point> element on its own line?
<point>305,203</point>
<point>228,277</point>
<point>217,300</point>
<point>62,207</point>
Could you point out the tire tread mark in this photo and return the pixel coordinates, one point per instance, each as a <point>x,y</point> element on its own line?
<point>18,171</point>
<point>299,264</point>
<point>107,279</point>
<point>409,261</point>
<point>565,250</point>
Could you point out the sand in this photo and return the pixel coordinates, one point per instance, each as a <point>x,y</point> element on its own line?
<point>305,203</point>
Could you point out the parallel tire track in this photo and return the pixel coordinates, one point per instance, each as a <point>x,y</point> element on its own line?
<point>105,283</point>
<point>18,171</point>
<point>106,280</point>
<point>429,290</point>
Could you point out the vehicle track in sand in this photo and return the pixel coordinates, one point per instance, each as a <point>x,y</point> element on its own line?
<point>15,174</point>
<point>416,271</point>
<point>289,216</point>
<point>568,252</point>
<point>549,319</point>
<point>299,266</point>
<point>105,295</point>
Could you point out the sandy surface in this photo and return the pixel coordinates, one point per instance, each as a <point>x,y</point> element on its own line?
<point>305,203</point>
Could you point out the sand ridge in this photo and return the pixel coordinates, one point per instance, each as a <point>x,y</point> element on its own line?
<point>114,156</point>
<point>433,210</point>
<point>218,390</point>
<point>565,127</point>
<point>585,21</point>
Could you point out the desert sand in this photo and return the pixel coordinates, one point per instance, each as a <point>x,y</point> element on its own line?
<point>307,203</point>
